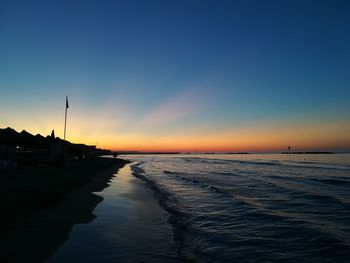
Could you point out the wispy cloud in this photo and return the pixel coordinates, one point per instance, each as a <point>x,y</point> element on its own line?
<point>184,105</point>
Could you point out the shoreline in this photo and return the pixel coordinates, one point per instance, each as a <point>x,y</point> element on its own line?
<point>131,226</point>
<point>37,234</point>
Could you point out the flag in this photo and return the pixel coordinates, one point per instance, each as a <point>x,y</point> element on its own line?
<point>67,105</point>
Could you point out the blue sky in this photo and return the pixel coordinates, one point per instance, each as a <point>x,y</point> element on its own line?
<point>210,66</point>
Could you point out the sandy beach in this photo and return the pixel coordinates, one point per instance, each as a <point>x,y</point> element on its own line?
<point>40,205</point>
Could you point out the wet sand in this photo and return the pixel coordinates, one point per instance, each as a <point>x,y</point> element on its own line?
<point>40,205</point>
<point>130,226</point>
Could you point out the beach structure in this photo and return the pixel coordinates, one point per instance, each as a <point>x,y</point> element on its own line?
<point>289,152</point>
<point>56,149</point>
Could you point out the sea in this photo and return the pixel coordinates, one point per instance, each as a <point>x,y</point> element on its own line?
<point>220,208</point>
<point>253,207</point>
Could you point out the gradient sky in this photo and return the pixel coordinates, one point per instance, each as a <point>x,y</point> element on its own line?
<point>179,75</point>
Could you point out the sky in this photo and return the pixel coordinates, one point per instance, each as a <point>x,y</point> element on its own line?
<point>176,75</point>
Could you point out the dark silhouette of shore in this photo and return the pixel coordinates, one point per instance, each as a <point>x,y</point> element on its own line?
<point>41,202</point>
<point>37,207</point>
<point>24,148</point>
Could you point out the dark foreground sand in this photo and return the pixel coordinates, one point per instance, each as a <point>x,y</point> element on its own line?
<point>40,205</point>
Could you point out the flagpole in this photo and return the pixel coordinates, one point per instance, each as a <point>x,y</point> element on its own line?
<point>65,126</point>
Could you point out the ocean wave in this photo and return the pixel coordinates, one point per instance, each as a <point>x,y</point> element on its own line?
<point>229,210</point>
<point>177,217</point>
<point>301,164</point>
<point>333,181</point>
<point>289,189</point>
